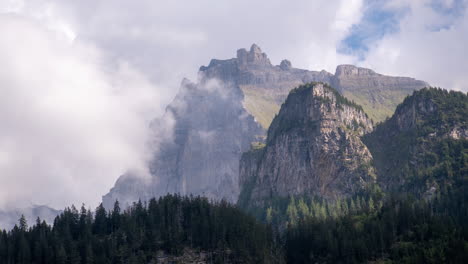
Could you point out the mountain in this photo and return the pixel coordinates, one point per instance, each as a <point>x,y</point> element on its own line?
<point>313,148</point>
<point>423,147</point>
<point>421,159</point>
<point>212,127</point>
<point>212,122</point>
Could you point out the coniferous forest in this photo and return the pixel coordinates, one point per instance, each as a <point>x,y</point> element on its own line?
<point>136,235</point>
<point>401,229</point>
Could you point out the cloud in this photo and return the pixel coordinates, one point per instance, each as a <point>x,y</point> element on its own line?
<point>71,123</point>
<point>81,80</point>
<point>169,40</point>
<point>430,44</point>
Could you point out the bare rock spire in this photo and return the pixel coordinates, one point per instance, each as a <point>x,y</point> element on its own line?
<point>254,57</point>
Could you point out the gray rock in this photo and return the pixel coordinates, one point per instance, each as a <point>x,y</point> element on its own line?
<point>313,147</point>
<point>215,122</point>
<point>285,65</point>
<point>214,125</point>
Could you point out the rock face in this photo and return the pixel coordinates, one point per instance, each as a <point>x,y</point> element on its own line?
<point>212,127</point>
<point>421,148</point>
<point>201,156</point>
<point>378,94</point>
<point>313,148</point>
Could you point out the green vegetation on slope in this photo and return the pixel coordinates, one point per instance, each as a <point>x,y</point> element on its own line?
<point>378,106</point>
<point>260,104</point>
<point>414,151</point>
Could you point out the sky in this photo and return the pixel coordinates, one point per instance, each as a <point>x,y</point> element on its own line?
<point>81,80</point>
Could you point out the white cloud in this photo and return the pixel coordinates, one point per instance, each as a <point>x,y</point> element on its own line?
<point>71,124</point>
<point>430,46</point>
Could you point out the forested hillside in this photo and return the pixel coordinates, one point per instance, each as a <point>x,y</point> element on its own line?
<point>418,212</point>
<point>145,233</point>
<point>401,230</point>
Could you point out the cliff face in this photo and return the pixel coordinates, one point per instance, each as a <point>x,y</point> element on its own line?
<point>212,127</point>
<point>422,148</point>
<point>313,148</point>
<point>201,157</point>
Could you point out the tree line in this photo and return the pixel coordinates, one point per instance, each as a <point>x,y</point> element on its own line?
<point>135,235</point>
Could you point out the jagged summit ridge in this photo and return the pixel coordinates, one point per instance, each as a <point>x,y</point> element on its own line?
<point>264,86</point>
<point>351,70</point>
<point>253,57</point>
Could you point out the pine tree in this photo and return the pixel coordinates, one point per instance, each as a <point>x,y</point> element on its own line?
<point>23,224</point>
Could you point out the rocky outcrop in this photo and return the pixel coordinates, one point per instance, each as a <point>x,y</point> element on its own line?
<point>313,148</point>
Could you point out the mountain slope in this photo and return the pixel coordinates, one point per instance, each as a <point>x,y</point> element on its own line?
<point>423,148</point>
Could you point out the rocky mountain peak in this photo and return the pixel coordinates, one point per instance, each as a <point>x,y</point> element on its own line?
<point>351,70</point>
<point>313,148</point>
<point>253,57</point>
<point>285,65</point>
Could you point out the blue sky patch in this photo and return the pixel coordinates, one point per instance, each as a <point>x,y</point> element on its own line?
<point>376,22</point>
